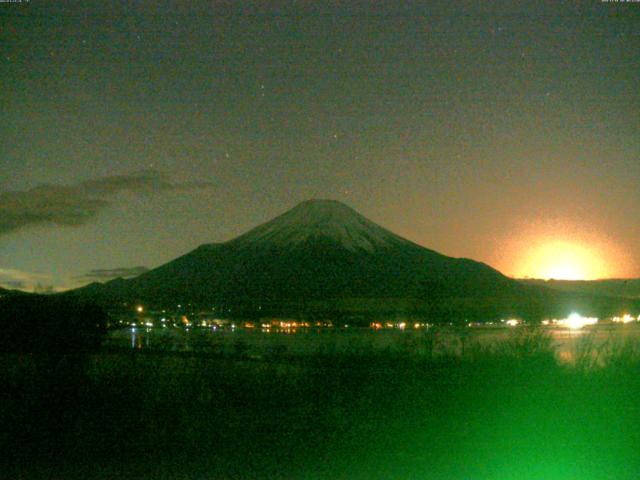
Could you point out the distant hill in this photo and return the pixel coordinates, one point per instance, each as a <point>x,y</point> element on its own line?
<point>624,288</point>
<point>323,258</point>
<point>6,293</point>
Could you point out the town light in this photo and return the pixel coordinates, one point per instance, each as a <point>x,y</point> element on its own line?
<point>626,318</point>
<point>575,321</point>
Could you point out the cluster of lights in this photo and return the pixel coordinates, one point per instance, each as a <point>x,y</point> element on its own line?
<point>400,325</point>
<point>185,321</point>
<point>575,321</point>
<point>293,324</point>
<point>626,318</point>
<point>287,325</point>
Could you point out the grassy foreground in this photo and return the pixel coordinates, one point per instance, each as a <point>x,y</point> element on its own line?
<point>511,412</point>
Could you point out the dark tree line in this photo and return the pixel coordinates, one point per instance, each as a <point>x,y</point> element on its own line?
<point>50,324</point>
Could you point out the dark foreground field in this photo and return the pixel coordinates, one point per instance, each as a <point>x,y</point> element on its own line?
<point>509,414</point>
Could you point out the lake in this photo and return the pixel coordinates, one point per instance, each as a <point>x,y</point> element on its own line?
<point>258,342</point>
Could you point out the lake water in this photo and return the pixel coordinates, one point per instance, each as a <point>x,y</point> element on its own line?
<point>307,341</point>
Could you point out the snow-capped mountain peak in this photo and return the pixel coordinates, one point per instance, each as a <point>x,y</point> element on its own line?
<point>322,218</point>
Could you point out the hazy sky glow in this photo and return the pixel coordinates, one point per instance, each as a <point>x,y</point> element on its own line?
<point>561,250</point>
<point>504,132</point>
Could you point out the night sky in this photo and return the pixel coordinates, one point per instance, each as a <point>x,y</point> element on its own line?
<point>507,132</point>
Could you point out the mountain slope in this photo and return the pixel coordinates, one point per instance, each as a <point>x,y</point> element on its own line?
<point>323,257</point>
<point>317,250</point>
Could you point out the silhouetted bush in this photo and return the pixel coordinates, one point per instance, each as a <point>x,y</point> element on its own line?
<point>48,324</point>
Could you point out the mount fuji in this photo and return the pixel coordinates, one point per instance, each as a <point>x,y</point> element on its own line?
<point>324,258</point>
<point>328,219</point>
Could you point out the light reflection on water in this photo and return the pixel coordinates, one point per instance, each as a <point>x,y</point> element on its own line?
<point>140,337</point>
<point>306,341</point>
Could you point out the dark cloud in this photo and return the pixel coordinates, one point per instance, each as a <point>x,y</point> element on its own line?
<point>110,273</point>
<point>77,204</point>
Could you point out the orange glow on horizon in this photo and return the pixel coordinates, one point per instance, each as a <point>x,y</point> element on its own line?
<point>562,251</point>
<point>562,260</point>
